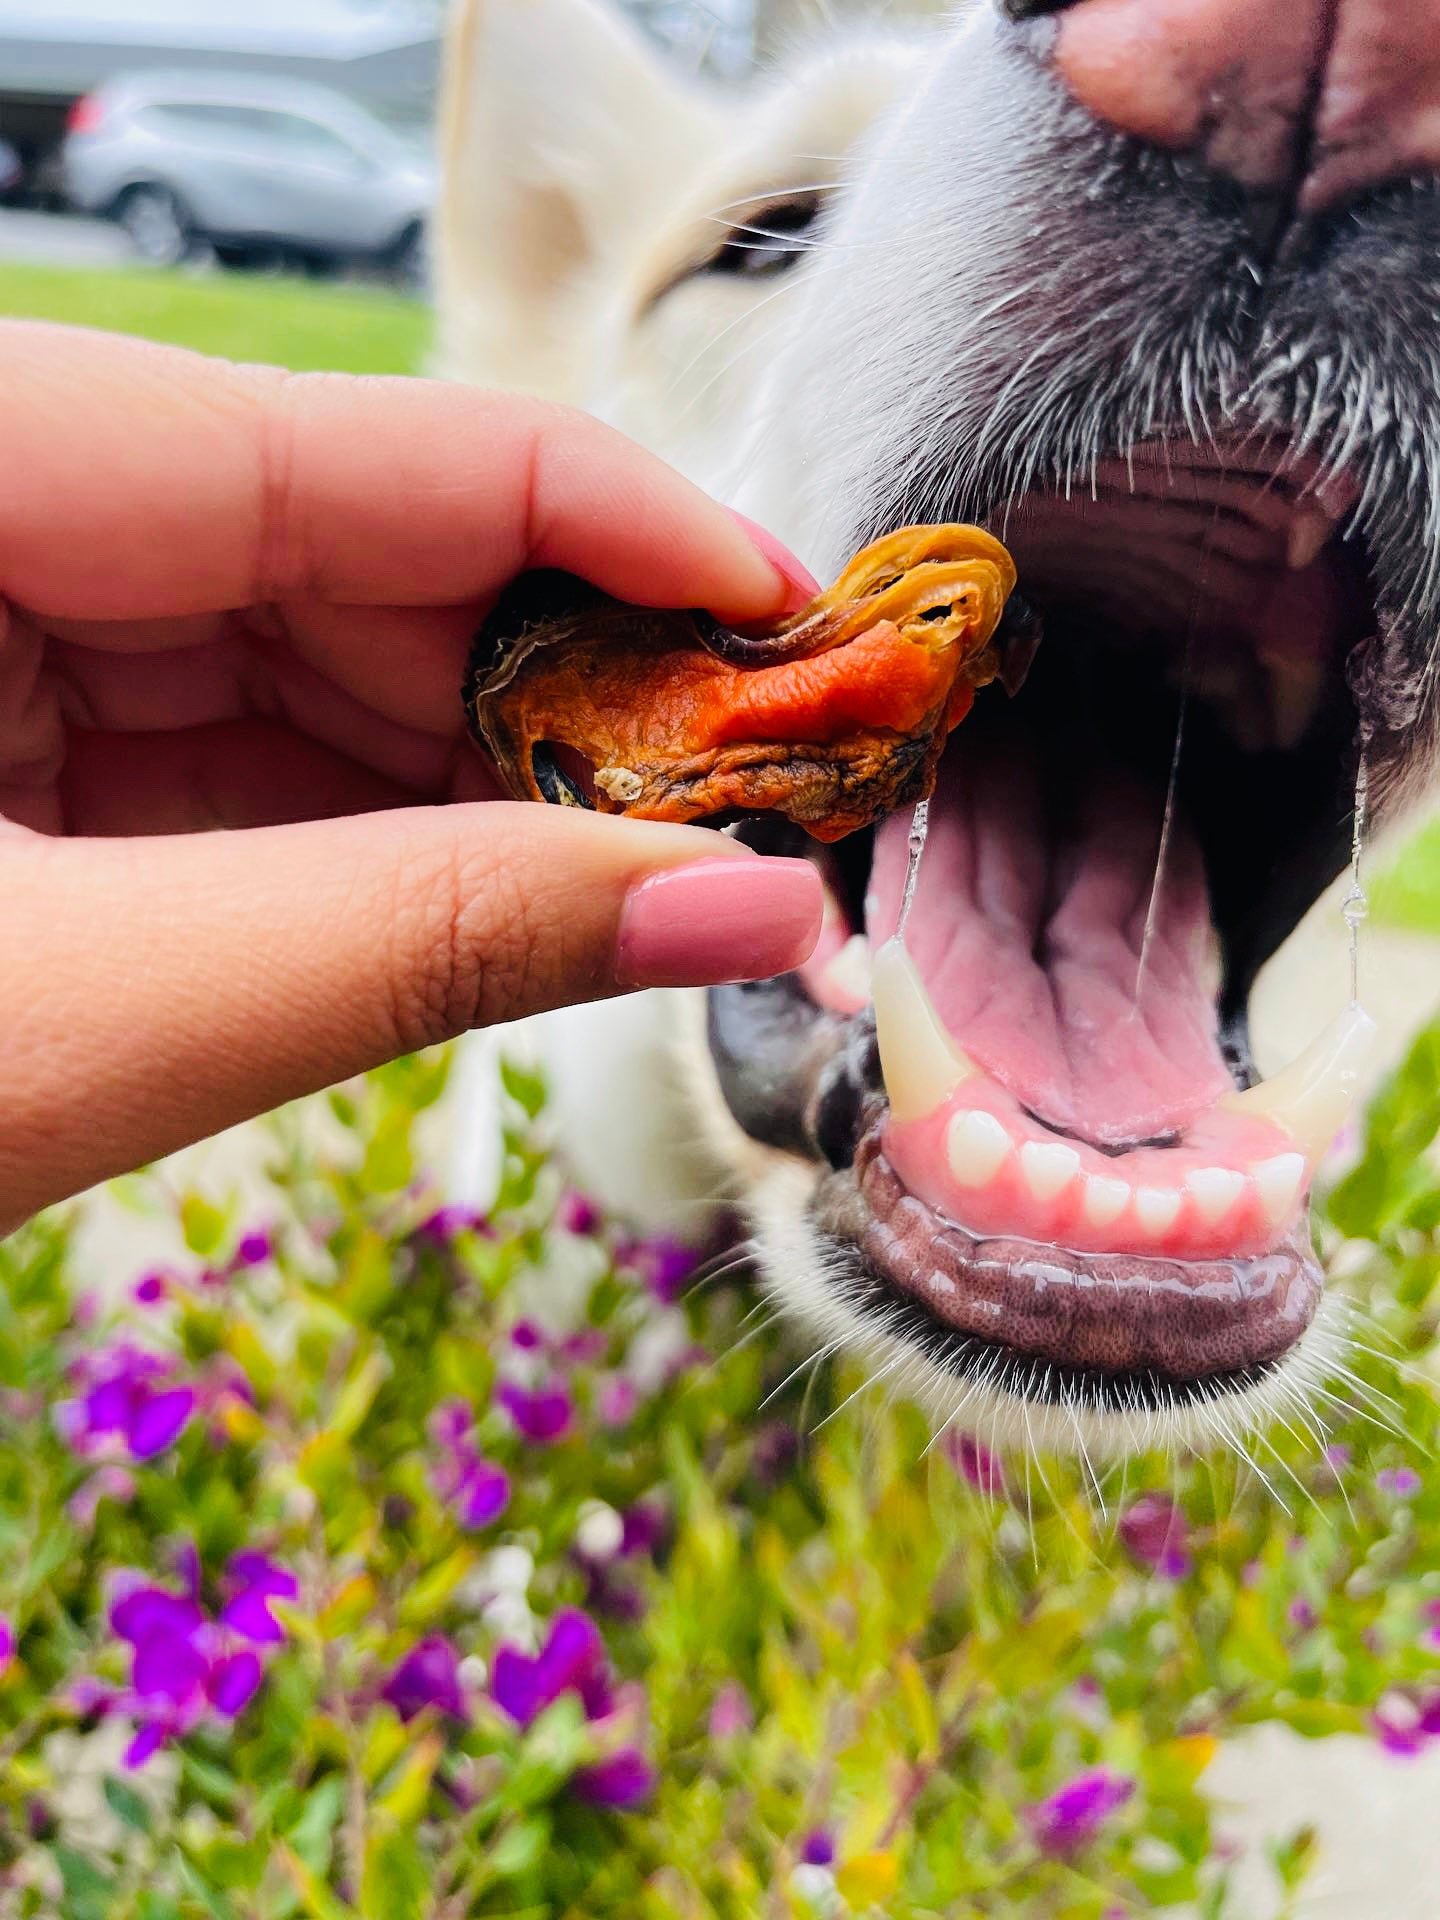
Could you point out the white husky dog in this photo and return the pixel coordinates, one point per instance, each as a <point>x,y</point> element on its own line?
<point>1150,289</point>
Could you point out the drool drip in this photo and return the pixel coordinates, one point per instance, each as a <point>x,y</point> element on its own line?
<point>1355,907</point>
<point>919,833</point>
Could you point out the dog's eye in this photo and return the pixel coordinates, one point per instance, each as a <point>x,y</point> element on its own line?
<point>770,238</point>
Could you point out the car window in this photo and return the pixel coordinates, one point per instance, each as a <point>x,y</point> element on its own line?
<point>288,134</point>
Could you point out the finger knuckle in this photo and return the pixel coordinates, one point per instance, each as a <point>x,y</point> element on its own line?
<point>465,924</point>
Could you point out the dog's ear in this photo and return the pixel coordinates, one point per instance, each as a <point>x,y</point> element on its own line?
<point>560,127</point>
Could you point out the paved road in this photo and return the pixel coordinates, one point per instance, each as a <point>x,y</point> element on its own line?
<point>57,240</point>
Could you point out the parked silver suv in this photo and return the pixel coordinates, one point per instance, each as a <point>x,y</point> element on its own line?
<point>252,165</point>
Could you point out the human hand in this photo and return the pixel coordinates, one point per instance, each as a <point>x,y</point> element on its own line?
<point>231,597</point>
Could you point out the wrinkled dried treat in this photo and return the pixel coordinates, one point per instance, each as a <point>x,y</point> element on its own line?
<point>833,717</point>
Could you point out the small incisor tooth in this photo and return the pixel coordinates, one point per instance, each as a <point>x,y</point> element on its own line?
<point>848,974</point>
<point>1311,527</point>
<point>921,1064</point>
<point>1312,1097</point>
<point>1214,1191</point>
<point>1278,1183</point>
<point>1157,1208</point>
<point>1104,1199</point>
<point>977,1146</point>
<point>1048,1167</point>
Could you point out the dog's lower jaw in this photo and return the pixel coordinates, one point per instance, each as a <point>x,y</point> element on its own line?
<point>822,1282</point>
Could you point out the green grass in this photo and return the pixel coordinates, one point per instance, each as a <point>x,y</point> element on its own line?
<point>288,323</point>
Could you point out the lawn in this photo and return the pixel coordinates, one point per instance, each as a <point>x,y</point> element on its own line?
<point>287,323</point>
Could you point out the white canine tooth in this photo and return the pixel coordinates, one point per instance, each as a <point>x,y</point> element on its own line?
<point>1048,1167</point>
<point>1214,1191</point>
<point>921,1063</point>
<point>1278,1183</point>
<point>1105,1199</point>
<point>1312,1097</point>
<point>977,1147</point>
<point>1157,1208</point>
<point>1310,528</point>
<point>849,972</point>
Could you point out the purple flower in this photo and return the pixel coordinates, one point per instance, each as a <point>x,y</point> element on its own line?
<point>127,1404</point>
<point>179,1666</point>
<point>476,1490</point>
<point>776,1449</point>
<point>1403,1482</point>
<point>642,1528</point>
<point>541,1415</point>
<point>976,1463</point>
<point>1404,1726</point>
<point>623,1779</point>
<point>1153,1529</point>
<point>663,1264</point>
<point>254,1581</point>
<point>445,1225</point>
<point>1301,1614</point>
<point>108,1482</point>
<point>585,1348</point>
<point>1072,1816</point>
<point>427,1678</point>
<point>1337,1457</point>
<point>254,1250</point>
<point>151,1288</point>
<point>818,1848</point>
<point>7,1643</point>
<point>233,1682</point>
<point>578,1213</point>
<point>1431,1613</point>
<point>730,1712</point>
<point>527,1336</point>
<point>572,1660</point>
<point>616,1401</point>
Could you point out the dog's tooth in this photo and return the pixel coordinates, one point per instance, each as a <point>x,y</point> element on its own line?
<point>1048,1167</point>
<point>1310,528</point>
<point>1104,1199</point>
<point>1312,1097</point>
<point>1157,1208</point>
<point>921,1064</point>
<point>1278,1183</point>
<point>977,1146</point>
<point>1214,1191</point>
<point>849,972</point>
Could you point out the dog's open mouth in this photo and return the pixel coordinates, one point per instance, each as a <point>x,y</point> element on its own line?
<point>1042,1152</point>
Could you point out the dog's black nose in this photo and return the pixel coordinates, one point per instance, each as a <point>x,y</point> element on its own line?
<point>1309,101</point>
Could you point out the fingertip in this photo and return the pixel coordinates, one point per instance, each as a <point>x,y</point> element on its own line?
<point>799,584</point>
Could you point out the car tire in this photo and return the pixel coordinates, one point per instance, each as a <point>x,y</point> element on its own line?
<point>410,261</point>
<point>156,225</point>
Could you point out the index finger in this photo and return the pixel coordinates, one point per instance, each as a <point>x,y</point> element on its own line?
<point>139,481</point>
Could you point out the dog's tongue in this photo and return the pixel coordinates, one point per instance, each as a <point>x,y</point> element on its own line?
<point>1027,927</point>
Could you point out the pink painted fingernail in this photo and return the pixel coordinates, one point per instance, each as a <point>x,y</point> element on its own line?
<point>802,583</point>
<point>718,920</point>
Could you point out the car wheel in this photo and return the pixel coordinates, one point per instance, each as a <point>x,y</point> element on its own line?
<point>156,224</point>
<point>410,261</point>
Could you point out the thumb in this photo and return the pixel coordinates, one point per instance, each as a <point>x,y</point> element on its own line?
<point>175,985</point>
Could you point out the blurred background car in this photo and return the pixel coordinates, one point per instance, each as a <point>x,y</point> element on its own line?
<point>256,167</point>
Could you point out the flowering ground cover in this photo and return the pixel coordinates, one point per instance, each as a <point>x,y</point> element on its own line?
<point>398,1591</point>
